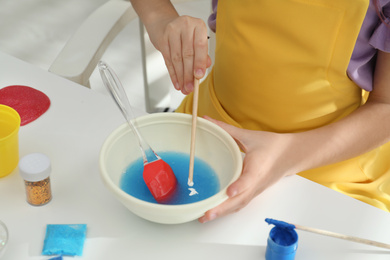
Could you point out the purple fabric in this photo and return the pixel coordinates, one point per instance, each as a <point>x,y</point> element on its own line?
<point>374,35</point>
<point>212,21</point>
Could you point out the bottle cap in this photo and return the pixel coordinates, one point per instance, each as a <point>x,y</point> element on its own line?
<point>34,167</point>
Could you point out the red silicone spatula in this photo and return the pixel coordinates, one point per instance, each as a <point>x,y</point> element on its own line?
<point>157,174</point>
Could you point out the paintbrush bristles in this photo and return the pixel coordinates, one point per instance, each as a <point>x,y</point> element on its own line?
<point>193,131</point>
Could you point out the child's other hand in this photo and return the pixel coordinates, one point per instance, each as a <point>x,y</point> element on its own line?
<point>265,163</point>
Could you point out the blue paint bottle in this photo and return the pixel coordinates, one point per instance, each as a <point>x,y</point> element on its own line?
<point>282,242</point>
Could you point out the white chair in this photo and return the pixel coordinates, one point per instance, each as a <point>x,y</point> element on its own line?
<point>79,57</point>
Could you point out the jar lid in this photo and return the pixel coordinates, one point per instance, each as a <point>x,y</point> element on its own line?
<point>34,167</point>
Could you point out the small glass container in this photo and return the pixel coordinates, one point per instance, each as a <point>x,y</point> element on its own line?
<point>35,170</point>
<point>3,238</point>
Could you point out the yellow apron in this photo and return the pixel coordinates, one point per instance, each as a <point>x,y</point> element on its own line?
<point>281,66</point>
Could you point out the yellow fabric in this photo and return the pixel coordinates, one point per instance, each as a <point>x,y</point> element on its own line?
<point>275,70</point>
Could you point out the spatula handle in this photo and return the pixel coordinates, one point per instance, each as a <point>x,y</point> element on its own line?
<point>113,84</point>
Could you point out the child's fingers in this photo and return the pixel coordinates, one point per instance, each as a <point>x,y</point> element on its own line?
<point>201,51</point>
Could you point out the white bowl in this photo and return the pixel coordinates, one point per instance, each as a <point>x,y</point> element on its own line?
<point>3,238</point>
<point>170,132</point>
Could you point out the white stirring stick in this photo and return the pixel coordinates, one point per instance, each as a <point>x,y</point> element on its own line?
<point>341,236</point>
<point>193,131</point>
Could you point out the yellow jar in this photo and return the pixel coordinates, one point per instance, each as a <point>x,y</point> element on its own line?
<point>9,143</point>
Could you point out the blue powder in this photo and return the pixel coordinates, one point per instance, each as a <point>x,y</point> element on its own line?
<point>64,239</point>
<point>206,182</point>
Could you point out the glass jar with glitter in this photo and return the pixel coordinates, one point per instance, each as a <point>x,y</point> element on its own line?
<point>35,170</point>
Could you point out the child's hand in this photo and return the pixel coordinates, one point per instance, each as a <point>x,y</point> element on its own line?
<point>183,43</point>
<point>264,164</point>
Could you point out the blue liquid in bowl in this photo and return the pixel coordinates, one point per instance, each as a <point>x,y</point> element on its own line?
<point>206,181</point>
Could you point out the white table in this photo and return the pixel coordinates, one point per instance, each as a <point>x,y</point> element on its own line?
<point>71,133</point>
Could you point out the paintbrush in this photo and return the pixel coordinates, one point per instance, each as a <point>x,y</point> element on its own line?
<point>193,132</point>
<point>327,233</point>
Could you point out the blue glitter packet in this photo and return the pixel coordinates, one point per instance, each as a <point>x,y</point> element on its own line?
<point>62,239</point>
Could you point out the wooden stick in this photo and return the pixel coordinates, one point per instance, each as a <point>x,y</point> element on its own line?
<point>341,236</point>
<point>193,131</point>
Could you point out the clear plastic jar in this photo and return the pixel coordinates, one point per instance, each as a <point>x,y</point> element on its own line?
<point>3,238</point>
<point>35,170</point>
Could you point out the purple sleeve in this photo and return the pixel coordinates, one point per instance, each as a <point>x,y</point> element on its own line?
<point>212,21</point>
<point>373,35</point>
<point>380,39</point>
